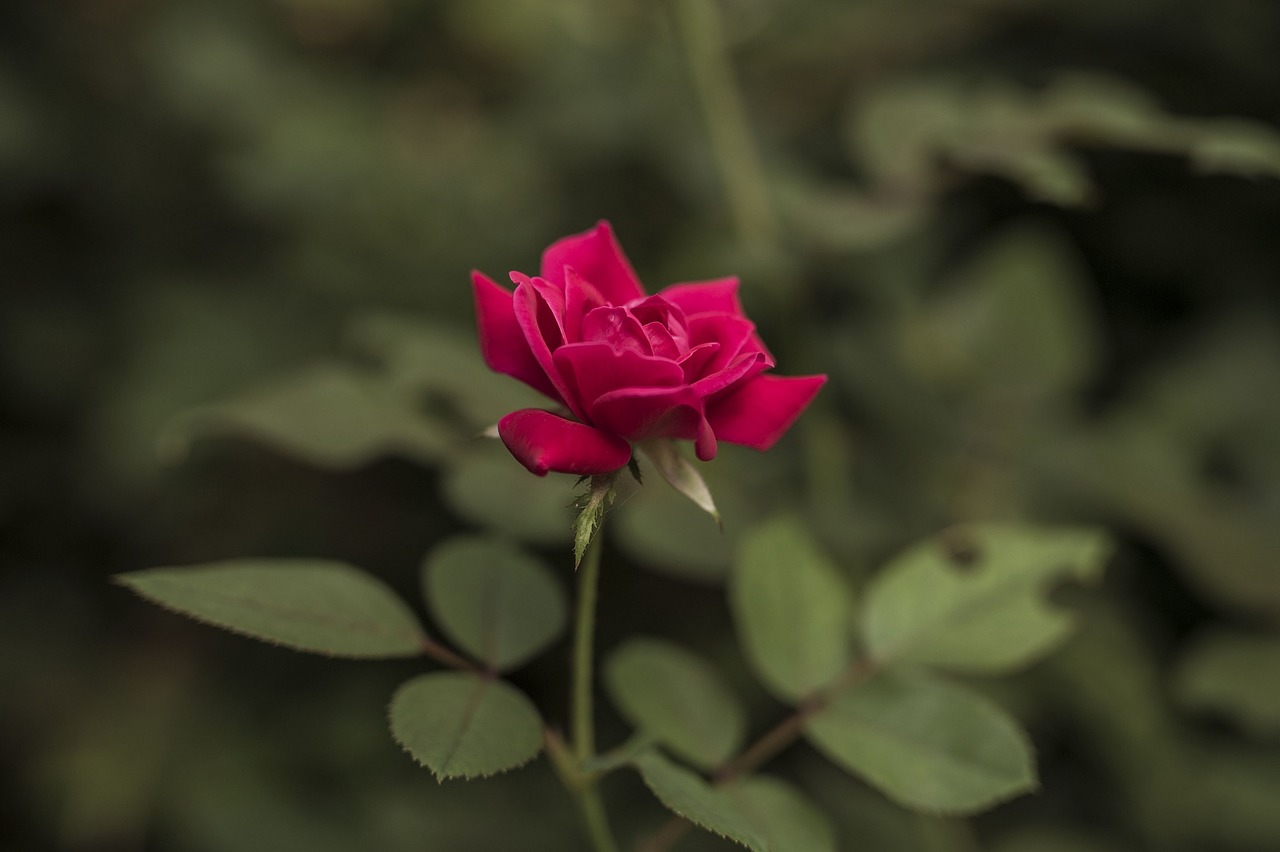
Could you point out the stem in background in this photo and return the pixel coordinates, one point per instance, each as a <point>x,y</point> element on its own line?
<point>583,718</point>
<point>702,34</point>
<point>444,656</point>
<point>767,746</point>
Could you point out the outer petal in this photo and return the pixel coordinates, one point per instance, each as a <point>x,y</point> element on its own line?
<point>597,257</point>
<point>719,296</point>
<point>502,342</point>
<point>638,414</point>
<point>542,442</point>
<point>757,413</point>
<point>538,325</point>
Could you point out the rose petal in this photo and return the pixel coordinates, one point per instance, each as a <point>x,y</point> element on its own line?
<point>542,442</point>
<point>579,298</point>
<point>734,334</point>
<point>591,369</point>
<point>616,327</point>
<point>719,296</point>
<point>695,361</point>
<point>744,367</point>
<point>542,334</point>
<point>758,412</point>
<point>638,414</point>
<point>597,257</point>
<point>502,343</point>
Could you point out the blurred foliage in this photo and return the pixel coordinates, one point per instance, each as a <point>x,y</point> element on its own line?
<point>1033,244</point>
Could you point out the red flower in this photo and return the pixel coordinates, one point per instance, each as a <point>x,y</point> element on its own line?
<point>683,364</point>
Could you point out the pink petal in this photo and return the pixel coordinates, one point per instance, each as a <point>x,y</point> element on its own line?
<point>579,298</point>
<point>597,257</point>
<point>542,442</point>
<point>744,367</point>
<point>734,334</point>
<point>695,361</point>
<point>616,327</point>
<point>758,412</point>
<point>502,343</point>
<point>719,296</point>
<point>539,328</point>
<point>638,414</point>
<point>592,369</point>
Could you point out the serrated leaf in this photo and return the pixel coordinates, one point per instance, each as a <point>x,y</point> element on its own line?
<point>680,474</point>
<point>329,415</point>
<point>792,609</point>
<point>926,743</point>
<point>783,814</point>
<point>496,602</point>
<point>686,794</point>
<point>462,725</point>
<point>975,598</point>
<point>1236,675</point>
<point>305,604</point>
<point>678,698</point>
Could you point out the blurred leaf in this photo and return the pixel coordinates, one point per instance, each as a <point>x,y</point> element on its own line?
<point>783,814</point>
<point>444,364</point>
<point>681,475</point>
<point>490,488</point>
<point>847,219</point>
<point>974,598</point>
<point>686,794</point>
<point>305,604</point>
<point>1236,146</point>
<point>666,532</point>
<point>905,132</point>
<point>329,415</point>
<point>926,743</point>
<point>678,698</point>
<point>1023,291</point>
<point>1236,675</point>
<point>793,612</point>
<point>496,602</point>
<point>462,725</point>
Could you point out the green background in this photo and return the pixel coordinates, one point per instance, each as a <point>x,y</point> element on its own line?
<point>1032,243</point>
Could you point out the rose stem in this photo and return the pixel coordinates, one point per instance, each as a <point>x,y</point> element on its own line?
<point>702,34</point>
<point>583,721</point>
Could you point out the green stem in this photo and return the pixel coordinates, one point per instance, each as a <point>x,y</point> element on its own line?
<point>583,721</point>
<point>702,34</point>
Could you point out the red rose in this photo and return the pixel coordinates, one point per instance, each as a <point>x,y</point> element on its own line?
<point>684,364</point>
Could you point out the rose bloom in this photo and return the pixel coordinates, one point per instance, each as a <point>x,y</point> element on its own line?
<point>685,363</point>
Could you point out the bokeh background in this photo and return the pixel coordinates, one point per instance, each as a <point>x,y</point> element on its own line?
<point>1033,242</point>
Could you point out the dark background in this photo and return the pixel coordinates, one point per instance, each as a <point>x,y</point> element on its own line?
<point>1052,309</point>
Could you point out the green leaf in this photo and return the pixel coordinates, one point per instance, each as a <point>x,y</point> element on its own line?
<point>490,488</point>
<point>926,743</point>
<point>678,698</point>
<point>495,601</point>
<point>785,816</point>
<point>305,604</point>
<point>681,475</point>
<point>685,793</point>
<point>329,415</point>
<point>793,612</point>
<point>1236,675</point>
<point>462,725</point>
<point>1025,291</point>
<point>975,598</point>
